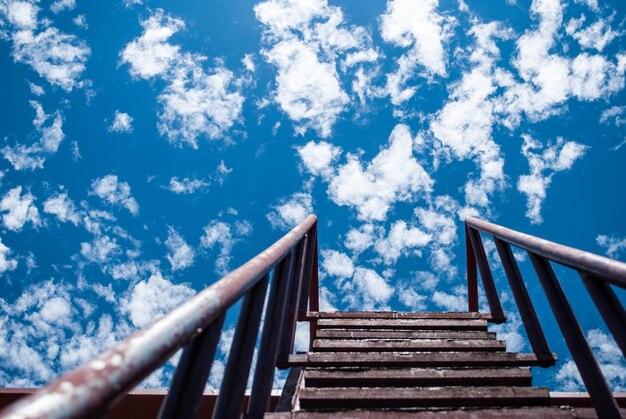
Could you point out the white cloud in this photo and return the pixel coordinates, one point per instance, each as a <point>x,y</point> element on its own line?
<point>367,291</point>
<point>394,174</point>
<point>18,209</point>
<point>554,158</point>
<point>81,22</point>
<point>153,298</point>
<point>224,236</point>
<point>56,56</point>
<point>336,264</point>
<point>180,254</point>
<point>318,157</point>
<point>310,44</point>
<point>115,192</point>
<point>186,185</point>
<point>595,36</point>
<point>614,245</point>
<point>101,250</point>
<point>48,130</point>
<point>289,212</point>
<point>410,297</point>
<point>359,240</point>
<point>614,113</point>
<point>122,123</point>
<point>415,25</point>
<point>63,208</point>
<point>194,103</point>
<point>60,5</point>
<point>400,240</point>
<point>439,222</point>
<point>455,301</point>
<point>6,263</point>
<point>609,357</point>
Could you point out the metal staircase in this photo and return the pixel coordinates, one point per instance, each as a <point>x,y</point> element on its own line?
<point>360,364</point>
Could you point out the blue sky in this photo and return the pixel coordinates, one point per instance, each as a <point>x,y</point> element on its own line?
<point>149,147</point>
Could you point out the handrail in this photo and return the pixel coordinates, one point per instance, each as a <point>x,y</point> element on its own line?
<point>196,325</point>
<point>597,274</point>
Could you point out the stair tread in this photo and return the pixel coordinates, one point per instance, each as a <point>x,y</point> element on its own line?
<point>427,324</point>
<point>417,359</point>
<point>329,333</point>
<point>397,315</point>
<point>374,345</point>
<point>449,396</point>
<point>474,413</point>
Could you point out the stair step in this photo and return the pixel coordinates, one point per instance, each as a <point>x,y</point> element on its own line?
<point>407,324</point>
<point>520,412</point>
<point>396,315</point>
<point>378,345</point>
<point>399,334</point>
<point>416,377</point>
<point>403,397</point>
<point>418,359</point>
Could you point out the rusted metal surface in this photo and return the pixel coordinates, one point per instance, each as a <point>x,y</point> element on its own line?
<point>472,277</point>
<point>416,345</point>
<point>419,324</point>
<point>417,377</point>
<point>475,413</point>
<point>587,365</point>
<point>609,269</point>
<point>403,334</point>
<point>90,389</point>
<point>396,315</point>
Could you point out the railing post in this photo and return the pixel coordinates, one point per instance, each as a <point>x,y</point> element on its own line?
<point>192,371</point>
<point>524,304</point>
<point>497,315</point>
<point>609,307</point>
<point>272,330</point>
<point>472,280</point>
<point>587,365</point>
<point>303,305</point>
<point>314,298</point>
<point>235,378</point>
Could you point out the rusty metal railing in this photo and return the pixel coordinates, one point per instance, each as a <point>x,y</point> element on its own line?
<point>598,275</point>
<point>196,325</point>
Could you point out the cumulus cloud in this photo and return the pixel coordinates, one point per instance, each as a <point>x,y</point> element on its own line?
<point>194,103</point>
<point>609,357</point>
<point>62,207</point>
<point>60,5</point>
<point>18,209</point>
<point>291,211</point>
<point>6,262</point>
<point>543,165</point>
<point>318,157</point>
<point>49,135</point>
<point>336,264</point>
<point>224,236</point>
<point>360,239</point>
<point>454,301</point>
<point>595,36</point>
<point>310,44</point>
<point>416,26</point>
<point>614,246</point>
<point>438,220</point>
<point>394,174</point>
<point>180,254</point>
<point>101,250</point>
<point>367,291</point>
<point>153,298</point>
<point>114,192</point>
<point>122,123</point>
<point>400,240</point>
<point>58,57</point>
<point>187,185</point>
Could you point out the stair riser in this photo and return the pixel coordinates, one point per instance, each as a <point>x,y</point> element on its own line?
<point>418,382</point>
<point>344,403</point>
<point>400,335</point>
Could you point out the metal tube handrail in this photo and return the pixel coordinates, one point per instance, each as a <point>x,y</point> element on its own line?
<point>602,267</point>
<point>107,377</point>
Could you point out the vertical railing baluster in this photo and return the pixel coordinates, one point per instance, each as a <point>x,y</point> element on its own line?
<point>270,338</point>
<point>291,309</point>
<point>192,371</point>
<point>609,307</point>
<point>524,304</point>
<point>314,297</point>
<point>497,315</point>
<point>592,376</point>
<point>232,390</point>
<point>304,295</point>
<point>472,279</point>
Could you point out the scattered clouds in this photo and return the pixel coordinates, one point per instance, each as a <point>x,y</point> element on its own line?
<point>122,123</point>
<point>595,36</point>
<point>418,27</point>
<point>6,262</point>
<point>114,192</point>
<point>58,57</point>
<point>18,209</point>
<point>63,208</point>
<point>318,157</point>
<point>224,236</point>
<point>336,264</point>
<point>180,254</point>
<point>400,240</point>
<point>614,245</point>
<point>543,165</point>
<point>60,5</point>
<point>187,185</point>
<point>290,212</point>
<point>194,103</point>
<point>48,136</point>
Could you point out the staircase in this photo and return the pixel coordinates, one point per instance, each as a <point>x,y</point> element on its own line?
<point>391,364</point>
<point>360,364</point>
